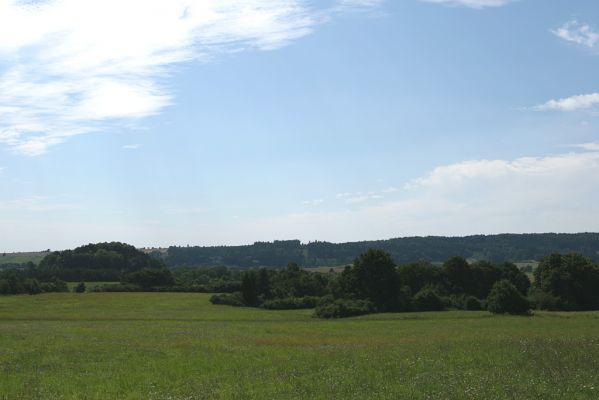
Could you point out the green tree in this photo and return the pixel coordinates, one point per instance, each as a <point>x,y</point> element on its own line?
<point>373,277</point>
<point>506,299</point>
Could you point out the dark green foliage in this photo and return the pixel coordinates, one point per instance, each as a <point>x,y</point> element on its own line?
<point>342,308</point>
<point>372,277</point>
<point>58,286</point>
<point>506,299</point>
<point>291,303</point>
<point>428,300</point>
<point>229,299</point>
<point>249,288</point>
<point>96,262</point>
<point>420,274</point>
<point>572,280</point>
<point>541,300</point>
<point>494,248</point>
<point>149,277</point>
<point>80,288</point>
<point>471,303</point>
<point>32,286</point>
<point>511,272</point>
<point>458,274</point>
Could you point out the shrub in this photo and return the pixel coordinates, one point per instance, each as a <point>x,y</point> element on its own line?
<point>546,301</point>
<point>80,288</point>
<point>472,304</point>
<point>506,299</point>
<point>428,300</point>
<point>32,286</point>
<point>291,303</point>
<point>55,286</point>
<point>344,308</point>
<point>150,277</point>
<point>229,299</point>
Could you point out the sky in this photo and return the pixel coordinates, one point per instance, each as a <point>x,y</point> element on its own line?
<point>211,122</point>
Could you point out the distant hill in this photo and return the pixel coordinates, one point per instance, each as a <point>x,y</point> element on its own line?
<point>13,259</point>
<point>495,248</point>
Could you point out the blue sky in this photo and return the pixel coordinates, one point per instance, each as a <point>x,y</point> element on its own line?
<point>227,122</point>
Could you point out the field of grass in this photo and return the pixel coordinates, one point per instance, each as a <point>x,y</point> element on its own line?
<point>179,346</point>
<point>21,258</point>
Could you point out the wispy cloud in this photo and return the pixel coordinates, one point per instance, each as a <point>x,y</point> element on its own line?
<point>588,146</point>
<point>579,33</point>
<point>133,146</point>
<point>573,103</point>
<point>315,202</point>
<point>361,198</point>
<point>528,194</point>
<point>472,3</point>
<point>359,4</point>
<point>74,67</point>
<point>36,204</point>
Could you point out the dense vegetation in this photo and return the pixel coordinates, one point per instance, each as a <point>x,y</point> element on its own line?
<point>493,248</point>
<point>96,262</point>
<point>116,267</point>
<point>375,284</point>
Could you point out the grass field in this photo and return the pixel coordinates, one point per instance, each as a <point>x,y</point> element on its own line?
<point>21,258</point>
<point>179,346</point>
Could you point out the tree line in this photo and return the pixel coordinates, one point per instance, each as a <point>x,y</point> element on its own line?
<point>375,283</point>
<point>493,248</point>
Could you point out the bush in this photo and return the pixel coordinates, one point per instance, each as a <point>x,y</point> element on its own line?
<point>56,286</point>
<point>541,300</point>
<point>344,308</point>
<point>472,304</point>
<point>428,300</point>
<point>115,287</point>
<point>229,299</point>
<point>150,277</point>
<point>506,299</point>
<point>80,288</point>
<point>291,303</point>
<point>32,286</point>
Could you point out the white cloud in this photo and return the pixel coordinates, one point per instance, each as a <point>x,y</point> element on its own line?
<point>588,146</point>
<point>313,203</point>
<point>133,146</point>
<point>579,33</point>
<point>573,103</point>
<point>74,66</point>
<point>529,194</point>
<point>472,3</point>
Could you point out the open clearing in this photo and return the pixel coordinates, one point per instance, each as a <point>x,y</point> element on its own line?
<point>179,346</point>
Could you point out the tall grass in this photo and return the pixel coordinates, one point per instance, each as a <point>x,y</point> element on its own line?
<point>179,346</point>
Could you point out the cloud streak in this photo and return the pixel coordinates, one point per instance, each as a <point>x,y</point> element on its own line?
<point>478,4</point>
<point>70,67</point>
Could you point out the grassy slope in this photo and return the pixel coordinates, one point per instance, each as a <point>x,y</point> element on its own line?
<point>20,259</point>
<point>178,346</point>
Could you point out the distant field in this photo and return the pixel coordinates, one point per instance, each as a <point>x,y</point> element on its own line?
<point>21,258</point>
<point>179,346</point>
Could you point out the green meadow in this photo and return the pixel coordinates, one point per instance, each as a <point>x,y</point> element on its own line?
<point>179,346</point>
